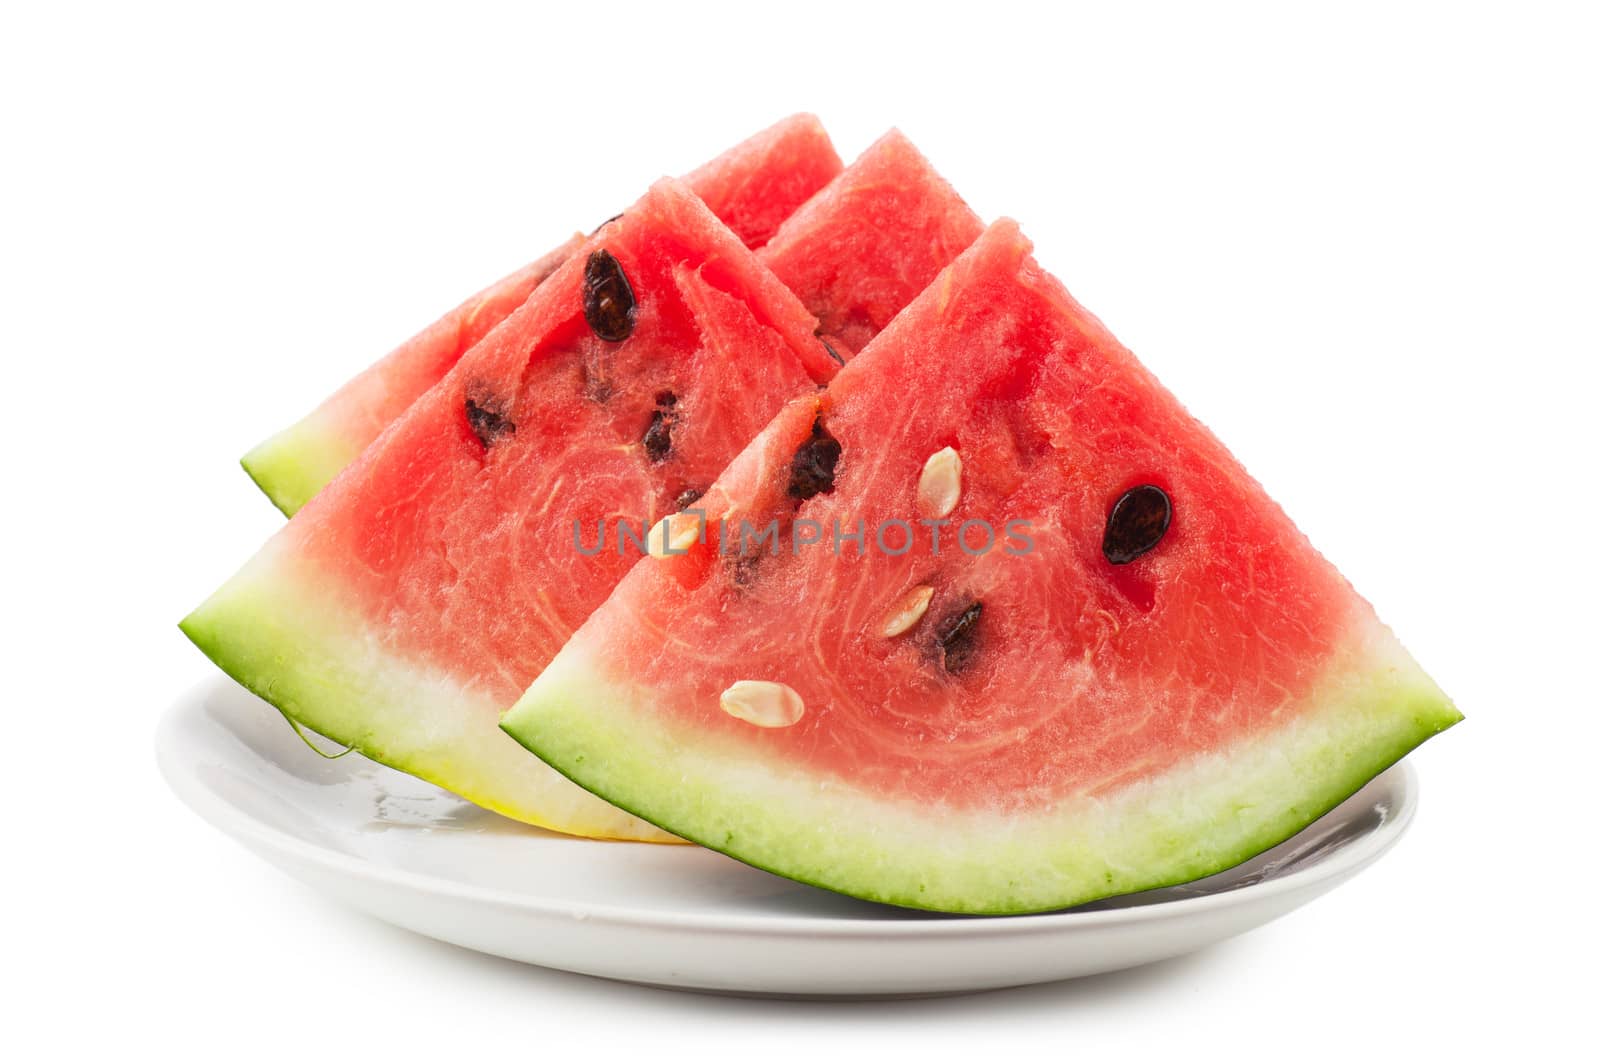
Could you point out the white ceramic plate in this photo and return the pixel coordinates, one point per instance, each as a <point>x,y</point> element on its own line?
<point>680,916</point>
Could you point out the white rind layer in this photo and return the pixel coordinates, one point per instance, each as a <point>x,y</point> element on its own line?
<point>1372,706</point>
<point>281,633</point>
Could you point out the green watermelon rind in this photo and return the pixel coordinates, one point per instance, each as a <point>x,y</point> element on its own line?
<point>755,185</point>
<point>320,667</point>
<point>297,463</point>
<point>1195,821</point>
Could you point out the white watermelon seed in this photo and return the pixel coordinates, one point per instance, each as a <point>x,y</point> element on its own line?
<point>683,528</point>
<point>940,487</point>
<point>907,612</point>
<point>764,703</point>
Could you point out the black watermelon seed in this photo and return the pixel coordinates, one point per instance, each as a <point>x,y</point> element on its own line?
<point>687,498</point>
<point>811,472</point>
<point>658,437</point>
<point>608,303</point>
<point>957,633</point>
<point>831,352</point>
<point>1136,524</point>
<point>487,423</point>
<point>605,223</point>
<point>743,569</point>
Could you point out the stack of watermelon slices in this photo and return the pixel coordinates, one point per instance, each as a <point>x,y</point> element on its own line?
<point>943,602</point>
<point>419,592</point>
<point>752,188</point>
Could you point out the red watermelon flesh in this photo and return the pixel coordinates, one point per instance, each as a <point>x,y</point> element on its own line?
<point>752,187</point>
<point>1061,721</point>
<point>849,275</point>
<point>416,597</point>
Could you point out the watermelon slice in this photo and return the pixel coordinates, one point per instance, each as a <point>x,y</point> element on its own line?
<point>414,599</point>
<point>851,277</point>
<point>1122,668</point>
<point>753,187</point>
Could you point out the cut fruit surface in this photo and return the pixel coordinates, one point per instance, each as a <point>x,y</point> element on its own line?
<point>411,601</point>
<point>419,594</point>
<point>864,247</point>
<point>1120,667</point>
<point>753,187</point>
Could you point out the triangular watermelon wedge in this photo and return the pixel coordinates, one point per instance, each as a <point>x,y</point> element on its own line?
<point>1134,673</point>
<point>855,277</point>
<point>752,187</point>
<point>417,596</point>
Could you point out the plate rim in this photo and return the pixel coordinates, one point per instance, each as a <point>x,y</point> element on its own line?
<point>253,833</point>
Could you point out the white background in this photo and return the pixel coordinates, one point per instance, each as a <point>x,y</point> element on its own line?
<point>1361,242</point>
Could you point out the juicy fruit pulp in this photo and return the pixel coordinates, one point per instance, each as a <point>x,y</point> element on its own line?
<point>414,598</point>
<point>752,188</point>
<point>906,224</point>
<point>417,596</point>
<point>1098,705</point>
